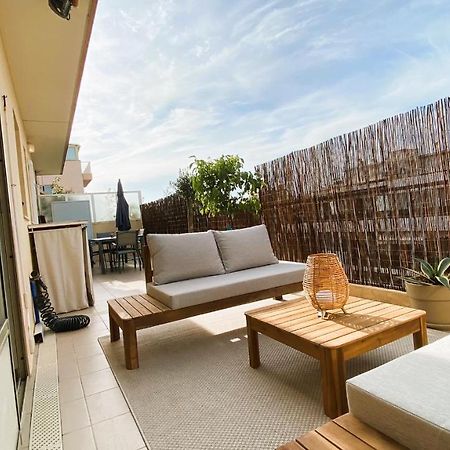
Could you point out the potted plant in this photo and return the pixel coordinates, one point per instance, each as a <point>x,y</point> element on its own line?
<point>429,289</point>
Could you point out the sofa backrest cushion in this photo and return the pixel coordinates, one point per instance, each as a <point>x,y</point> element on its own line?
<point>245,248</point>
<point>177,257</point>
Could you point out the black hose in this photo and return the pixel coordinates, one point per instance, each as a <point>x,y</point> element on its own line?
<point>48,314</point>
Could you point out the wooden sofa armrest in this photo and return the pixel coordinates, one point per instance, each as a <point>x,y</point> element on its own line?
<point>147,261</point>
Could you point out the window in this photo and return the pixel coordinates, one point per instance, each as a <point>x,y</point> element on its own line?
<point>47,189</point>
<point>72,153</point>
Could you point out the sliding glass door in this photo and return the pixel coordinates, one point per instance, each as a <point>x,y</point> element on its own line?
<point>12,372</point>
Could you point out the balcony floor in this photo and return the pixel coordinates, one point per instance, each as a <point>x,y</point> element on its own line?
<point>94,413</point>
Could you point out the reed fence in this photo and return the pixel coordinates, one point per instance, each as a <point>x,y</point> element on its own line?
<point>378,196</point>
<point>172,214</point>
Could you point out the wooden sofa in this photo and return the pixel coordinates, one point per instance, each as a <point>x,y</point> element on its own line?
<point>137,312</point>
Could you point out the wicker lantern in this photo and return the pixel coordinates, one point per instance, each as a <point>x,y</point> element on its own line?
<point>325,282</point>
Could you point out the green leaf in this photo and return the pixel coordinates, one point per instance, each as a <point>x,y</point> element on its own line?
<point>442,267</point>
<point>426,268</point>
<point>444,281</point>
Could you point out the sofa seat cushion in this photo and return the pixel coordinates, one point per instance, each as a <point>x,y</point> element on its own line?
<point>178,257</point>
<point>245,248</point>
<point>185,293</point>
<point>408,398</point>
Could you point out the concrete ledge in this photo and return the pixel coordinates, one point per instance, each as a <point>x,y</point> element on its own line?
<point>380,294</point>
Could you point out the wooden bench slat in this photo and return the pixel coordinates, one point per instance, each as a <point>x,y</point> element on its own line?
<point>341,438</point>
<point>128,308</point>
<point>314,441</point>
<point>137,306</point>
<point>151,309</point>
<point>291,446</point>
<point>119,310</point>
<point>155,302</point>
<point>344,433</point>
<point>368,434</point>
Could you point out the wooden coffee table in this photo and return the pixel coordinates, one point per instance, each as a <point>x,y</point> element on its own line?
<point>367,325</point>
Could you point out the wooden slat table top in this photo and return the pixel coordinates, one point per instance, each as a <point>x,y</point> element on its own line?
<point>364,318</point>
<point>343,433</point>
<point>136,306</point>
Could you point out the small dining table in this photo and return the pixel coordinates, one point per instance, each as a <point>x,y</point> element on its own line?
<point>101,242</point>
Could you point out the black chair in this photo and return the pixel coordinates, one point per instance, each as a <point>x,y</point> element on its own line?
<point>127,242</point>
<point>108,248</point>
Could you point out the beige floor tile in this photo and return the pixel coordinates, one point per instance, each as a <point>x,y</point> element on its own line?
<point>64,346</point>
<point>91,349</point>
<point>119,433</point>
<point>92,364</point>
<point>74,416</point>
<point>90,337</point>
<point>105,319</point>
<point>98,381</point>
<point>106,405</point>
<point>70,389</point>
<point>67,368</point>
<point>79,440</point>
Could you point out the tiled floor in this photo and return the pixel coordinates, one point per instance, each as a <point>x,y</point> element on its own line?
<point>94,413</point>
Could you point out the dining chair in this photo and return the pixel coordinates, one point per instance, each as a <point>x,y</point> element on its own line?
<point>126,243</point>
<point>108,247</point>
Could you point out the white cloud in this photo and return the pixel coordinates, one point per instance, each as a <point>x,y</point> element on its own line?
<point>165,80</point>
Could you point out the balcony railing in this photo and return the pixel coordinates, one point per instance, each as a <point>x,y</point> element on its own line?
<point>86,172</point>
<point>103,204</point>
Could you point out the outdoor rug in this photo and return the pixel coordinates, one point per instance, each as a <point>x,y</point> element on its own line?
<point>195,390</point>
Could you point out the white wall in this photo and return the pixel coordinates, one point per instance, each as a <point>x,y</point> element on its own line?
<point>20,219</point>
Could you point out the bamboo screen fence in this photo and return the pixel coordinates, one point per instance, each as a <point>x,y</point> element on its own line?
<point>377,197</point>
<point>172,215</point>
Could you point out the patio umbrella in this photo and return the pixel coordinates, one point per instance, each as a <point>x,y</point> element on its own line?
<point>122,211</point>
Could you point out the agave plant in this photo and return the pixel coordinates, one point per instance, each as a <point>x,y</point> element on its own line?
<point>430,275</point>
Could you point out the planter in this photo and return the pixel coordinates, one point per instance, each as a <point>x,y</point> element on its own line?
<point>435,300</point>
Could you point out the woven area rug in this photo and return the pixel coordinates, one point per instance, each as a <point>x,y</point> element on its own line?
<point>195,390</point>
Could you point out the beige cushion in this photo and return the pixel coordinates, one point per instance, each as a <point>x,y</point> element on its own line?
<point>408,398</point>
<point>245,248</point>
<point>203,290</point>
<point>183,256</point>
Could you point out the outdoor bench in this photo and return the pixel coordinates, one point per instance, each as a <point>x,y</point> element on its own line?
<point>197,273</point>
<point>403,404</point>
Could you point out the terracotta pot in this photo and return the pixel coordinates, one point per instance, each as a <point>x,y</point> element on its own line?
<point>435,300</point>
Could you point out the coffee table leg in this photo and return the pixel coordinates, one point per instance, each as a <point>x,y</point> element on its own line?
<point>420,337</point>
<point>253,346</point>
<point>333,383</point>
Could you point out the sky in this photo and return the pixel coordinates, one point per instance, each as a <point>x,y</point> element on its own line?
<point>165,80</point>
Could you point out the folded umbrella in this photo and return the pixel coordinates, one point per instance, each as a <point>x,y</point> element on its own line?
<point>122,211</point>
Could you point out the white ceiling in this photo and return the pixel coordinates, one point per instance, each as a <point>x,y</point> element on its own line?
<point>46,57</point>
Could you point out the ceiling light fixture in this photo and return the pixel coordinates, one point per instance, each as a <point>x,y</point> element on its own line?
<point>62,7</point>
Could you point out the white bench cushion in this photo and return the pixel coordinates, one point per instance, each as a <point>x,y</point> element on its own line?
<point>408,398</point>
<point>183,256</point>
<point>245,248</point>
<point>207,289</point>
